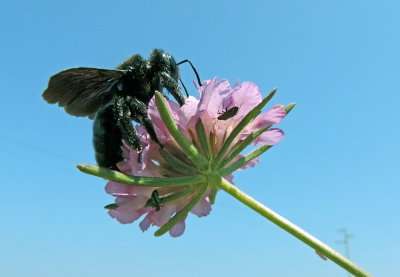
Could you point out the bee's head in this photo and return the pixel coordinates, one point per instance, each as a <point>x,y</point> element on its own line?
<point>165,62</point>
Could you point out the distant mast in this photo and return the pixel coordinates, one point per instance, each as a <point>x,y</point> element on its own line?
<point>345,241</point>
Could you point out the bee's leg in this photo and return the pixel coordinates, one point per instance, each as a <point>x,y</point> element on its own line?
<point>123,116</point>
<point>165,96</point>
<point>150,129</point>
<point>173,87</point>
<point>139,114</point>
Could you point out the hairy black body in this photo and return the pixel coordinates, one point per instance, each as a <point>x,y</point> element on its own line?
<point>115,98</point>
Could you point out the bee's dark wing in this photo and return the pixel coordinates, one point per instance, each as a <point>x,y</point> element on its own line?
<point>82,91</point>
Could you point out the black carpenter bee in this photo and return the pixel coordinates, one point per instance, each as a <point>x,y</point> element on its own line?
<point>116,97</point>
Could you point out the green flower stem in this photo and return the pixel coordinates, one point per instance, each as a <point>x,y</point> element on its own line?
<point>117,176</point>
<point>246,120</point>
<point>182,213</point>
<point>289,227</point>
<point>182,141</point>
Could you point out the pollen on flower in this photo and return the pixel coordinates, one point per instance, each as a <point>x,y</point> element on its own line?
<point>200,121</point>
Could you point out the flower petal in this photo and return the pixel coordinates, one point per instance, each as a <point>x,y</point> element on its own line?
<point>271,117</point>
<point>132,203</point>
<point>124,217</point>
<point>178,229</point>
<point>124,167</point>
<point>252,163</point>
<point>115,188</point>
<point>246,96</point>
<point>212,96</point>
<point>270,137</point>
<point>129,209</point>
<point>229,178</point>
<point>145,223</point>
<point>187,111</point>
<point>162,216</point>
<point>202,208</point>
<point>118,189</point>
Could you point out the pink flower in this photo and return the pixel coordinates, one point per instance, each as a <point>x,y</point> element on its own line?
<point>220,109</point>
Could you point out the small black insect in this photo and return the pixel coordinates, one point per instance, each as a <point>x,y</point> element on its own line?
<point>225,115</point>
<point>228,113</point>
<point>115,98</point>
<point>156,201</point>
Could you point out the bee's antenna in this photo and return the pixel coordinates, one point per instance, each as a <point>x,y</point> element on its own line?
<point>183,85</point>
<point>194,69</point>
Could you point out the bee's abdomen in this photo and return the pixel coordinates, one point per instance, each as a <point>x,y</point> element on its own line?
<point>107,139</point>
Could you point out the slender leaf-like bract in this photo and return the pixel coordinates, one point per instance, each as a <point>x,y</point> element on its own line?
<point>240,146</point>
<point>244,160</point>
<point>204,144</point>
<point>176,163</point>
<point>182,141</point>
<point>289,107</point>
<point>117,176</point>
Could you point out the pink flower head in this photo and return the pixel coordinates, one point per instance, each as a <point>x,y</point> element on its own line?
<point>220,109</point>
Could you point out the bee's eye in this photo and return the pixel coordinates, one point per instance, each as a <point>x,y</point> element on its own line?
<point>120,86</point>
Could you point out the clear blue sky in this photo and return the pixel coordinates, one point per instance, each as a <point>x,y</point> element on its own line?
<point>338,166</point>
